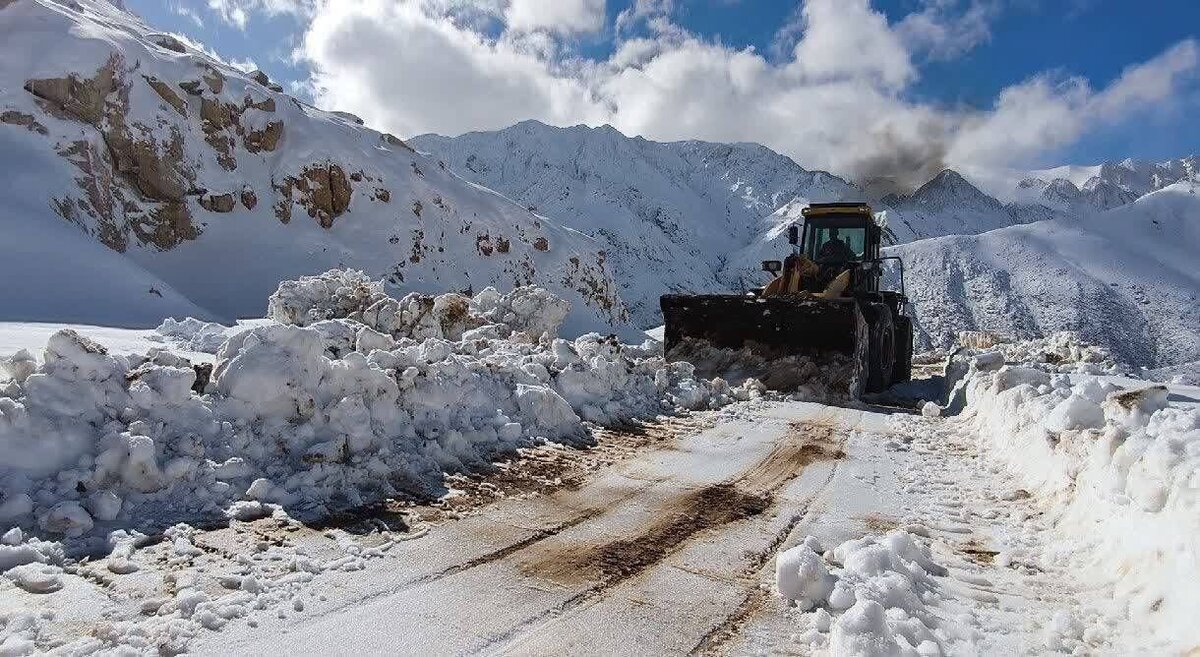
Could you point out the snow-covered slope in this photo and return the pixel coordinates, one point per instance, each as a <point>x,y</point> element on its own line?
<point>1125,279</point>
<point>671,214</point>
<point>142,178</point>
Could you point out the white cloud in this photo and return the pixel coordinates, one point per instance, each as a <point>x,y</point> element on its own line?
<point>837,98</point>
<point>407,70</point>
<point>188,13</point>
<point>561,16</point>
<point>238,12</point>
<point>1043,114</point>
<point>848,39</point>
<point>942,31</point>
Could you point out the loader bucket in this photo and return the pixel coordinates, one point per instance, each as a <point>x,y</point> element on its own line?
<point>785,342</point>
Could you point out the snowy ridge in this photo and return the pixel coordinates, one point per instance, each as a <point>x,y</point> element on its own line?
<point>143,179</point>
<point>1121,279</point>
<point>1104,186</point>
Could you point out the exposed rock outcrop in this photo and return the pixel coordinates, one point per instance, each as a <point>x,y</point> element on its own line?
<point>217,202</point>
<point>168,94</point>
<point>153,171</point>
<point>249,198</point>
<point>23,120</point>
<point>323,190</point>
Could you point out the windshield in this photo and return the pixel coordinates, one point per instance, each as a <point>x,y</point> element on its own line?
<point>825,244</point>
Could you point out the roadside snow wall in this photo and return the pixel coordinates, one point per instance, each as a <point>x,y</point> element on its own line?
<point>348,396</point>
<point>1117,470</point>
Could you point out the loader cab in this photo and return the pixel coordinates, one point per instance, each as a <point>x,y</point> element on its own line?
<point>838,236</point>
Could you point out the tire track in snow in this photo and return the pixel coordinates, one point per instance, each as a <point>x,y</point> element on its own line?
<point>744,496</point>
<point>756,596</point>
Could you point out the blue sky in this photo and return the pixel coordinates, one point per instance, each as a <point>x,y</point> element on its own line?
<point>1096,40</point>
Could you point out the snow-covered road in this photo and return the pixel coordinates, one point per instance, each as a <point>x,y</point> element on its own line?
<point>671,551</point>
<point>647,558</point>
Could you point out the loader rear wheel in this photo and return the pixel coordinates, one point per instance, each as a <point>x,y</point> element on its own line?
<point>881,348</point>
<point>904,350</point>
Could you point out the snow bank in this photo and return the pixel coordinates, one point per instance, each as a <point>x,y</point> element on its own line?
<point>1117,471</point>
<point>347,397</point>
<point>875,595</point>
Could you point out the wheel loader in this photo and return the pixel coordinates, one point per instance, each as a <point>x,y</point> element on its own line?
<point>823,316</point>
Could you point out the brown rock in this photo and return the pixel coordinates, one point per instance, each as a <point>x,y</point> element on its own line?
<point>283,206</point>
<point>167,226</point>
<point>214,79</point>
<point>217,202</point>
<point>249,198</point>
<point>267,105</point>
<point>215,112</point>
<point>274,87</point>
<point>23,120</point>
<point>154,172</point>
<point>541,244</point>
<point>260,77</point>
<point>266,139</point>
<point>502,245</point>
<point>192,87</point>
<point>383,195</point>
<point>165,92</point>
<point>357,176</point>
<point>168,42</point>
<point>82,99</point>
<point>324,191</point>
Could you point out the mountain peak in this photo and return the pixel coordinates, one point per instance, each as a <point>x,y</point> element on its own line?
<point>947,182</point>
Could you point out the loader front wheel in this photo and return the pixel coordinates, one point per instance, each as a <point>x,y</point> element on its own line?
<point>882,347</point>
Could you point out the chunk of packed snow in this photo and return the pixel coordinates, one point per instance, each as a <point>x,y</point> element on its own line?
<point>868,596</point>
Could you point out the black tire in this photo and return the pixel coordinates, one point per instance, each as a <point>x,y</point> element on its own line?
<point>904,350</point>
<point>881,348</point>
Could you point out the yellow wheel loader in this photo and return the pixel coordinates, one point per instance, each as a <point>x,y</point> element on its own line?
<point>823,314</point>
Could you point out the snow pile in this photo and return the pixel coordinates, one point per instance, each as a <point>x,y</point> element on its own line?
<point>336,293</point>
<point>831,377</point>
<point>1116,471</point>
<point>979,353</point>
<point>875,595</point>
<point>315,417</point>
<point>191,334</point>
<point>347,294</point>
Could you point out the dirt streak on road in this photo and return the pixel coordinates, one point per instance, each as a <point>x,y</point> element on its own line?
<point>746,495</point>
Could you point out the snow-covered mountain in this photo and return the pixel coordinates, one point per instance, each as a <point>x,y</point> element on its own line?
<point>142,178</point>
<point>1125,278</point>
<point>671,214</point>
<point>946,205</point>
<point>1105,186</point>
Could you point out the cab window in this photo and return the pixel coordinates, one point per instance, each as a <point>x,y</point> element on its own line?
<point>823,243</point>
